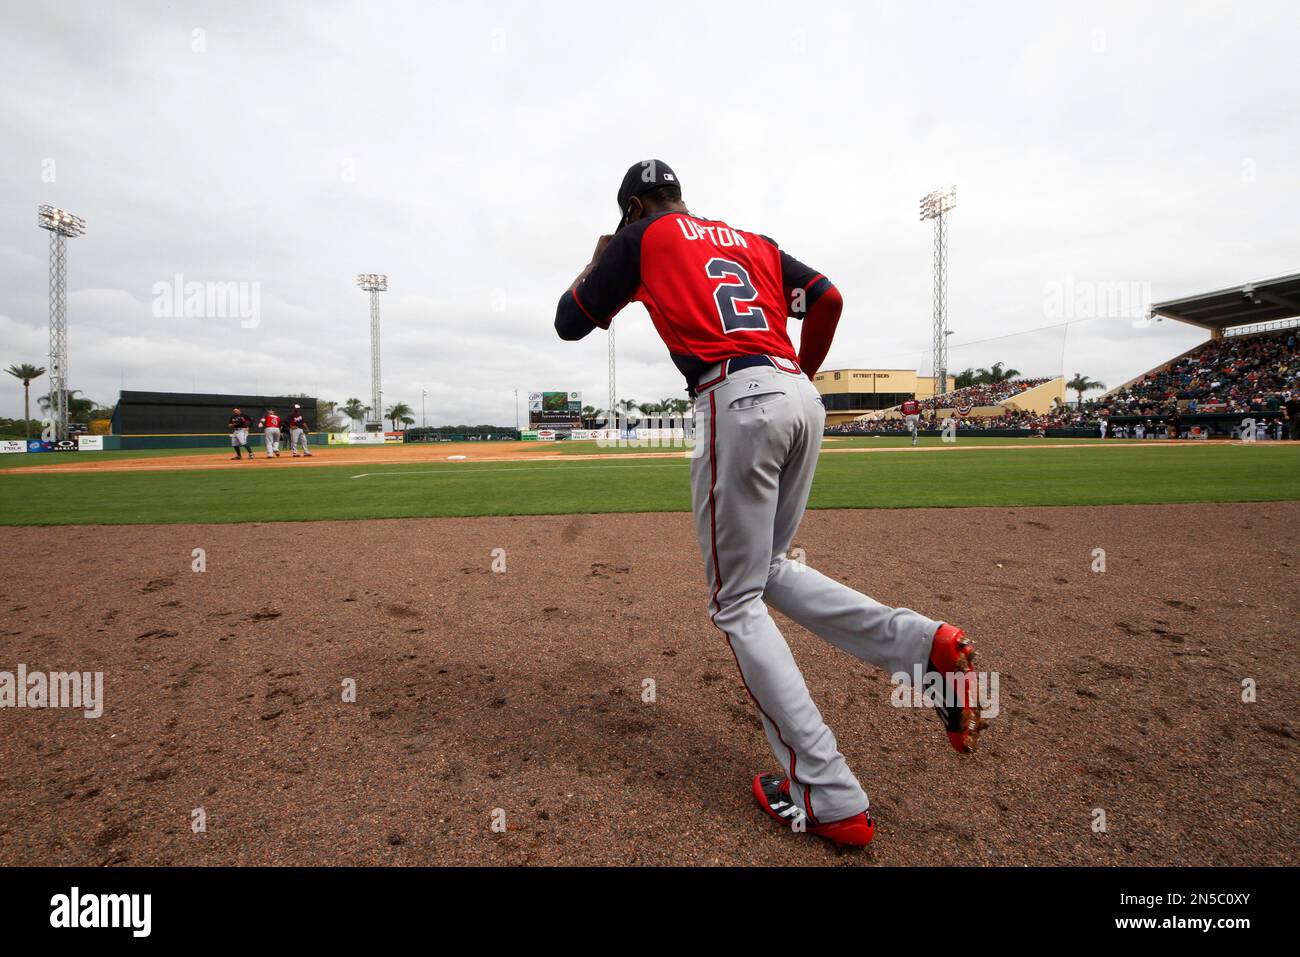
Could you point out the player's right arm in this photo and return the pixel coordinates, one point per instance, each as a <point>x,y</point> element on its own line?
<point>602,289</point>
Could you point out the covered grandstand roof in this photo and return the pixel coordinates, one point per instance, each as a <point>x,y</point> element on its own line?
<point>1269,300</point>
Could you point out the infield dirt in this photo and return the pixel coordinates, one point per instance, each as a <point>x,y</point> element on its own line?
<point>461,452</point>
<point>522,690</point>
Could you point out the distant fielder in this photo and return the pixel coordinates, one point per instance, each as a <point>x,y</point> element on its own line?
<point>298,433</point>
<point>239,425</point>
<point>270,424</point>
<point>719,298</point>
<point>911,410</point>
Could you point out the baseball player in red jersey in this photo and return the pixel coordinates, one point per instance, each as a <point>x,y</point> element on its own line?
<point>270,423</point>
<point>911,410</point>
<point>719,298</point>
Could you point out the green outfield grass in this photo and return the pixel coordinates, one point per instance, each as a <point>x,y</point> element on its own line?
<point>1042,475</point>
<point>73,458</point>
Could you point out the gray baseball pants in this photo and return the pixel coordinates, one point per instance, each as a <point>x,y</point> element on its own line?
<point>298,438</point>
<point>758,434</point>
<point>272,439</point>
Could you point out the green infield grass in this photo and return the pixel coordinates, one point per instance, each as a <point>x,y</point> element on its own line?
<point>970,475</point>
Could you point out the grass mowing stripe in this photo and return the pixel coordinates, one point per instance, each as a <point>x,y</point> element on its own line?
<point>1038,476</point>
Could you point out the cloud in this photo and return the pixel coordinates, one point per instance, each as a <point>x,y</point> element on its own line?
<point>472,152</point>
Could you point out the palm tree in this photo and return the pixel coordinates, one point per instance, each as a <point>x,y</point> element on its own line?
<point>1081,384</point>
<point>396,411</point>
<point>79,410</point>
<point>408,421</point>
<point>327,416</point>
<point>651,409</point>
<point>995,375</point>
<point>27,372</point>
<point>679,408</point>
<point>965,378</point>
<point>355,409</point>
<point>626,407</point>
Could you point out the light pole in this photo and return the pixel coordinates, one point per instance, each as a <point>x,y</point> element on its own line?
<point>62,225</point>
<point>424,394</point>
<point>374,283</point>
<point>612,413</point>
<point>936,206</point>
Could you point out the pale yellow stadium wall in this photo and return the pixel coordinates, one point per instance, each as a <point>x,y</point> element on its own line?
<point>1039,399</point>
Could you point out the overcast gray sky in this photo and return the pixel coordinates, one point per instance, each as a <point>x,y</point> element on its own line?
<point>472,151</point>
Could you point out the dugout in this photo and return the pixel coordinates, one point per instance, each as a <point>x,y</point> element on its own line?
<point>197,419</point>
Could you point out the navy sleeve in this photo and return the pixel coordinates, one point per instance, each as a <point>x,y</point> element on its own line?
<point>609,287</point>
<point>796,278</point>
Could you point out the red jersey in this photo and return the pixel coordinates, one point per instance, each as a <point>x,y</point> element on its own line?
<point>712,291</point>
<point>271,420</point>
<point>910,407</point>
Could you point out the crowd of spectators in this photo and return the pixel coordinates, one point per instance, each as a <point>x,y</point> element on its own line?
<point>1253,374</point>
<point>985,393</point>
<point>1008,420</point>
<point>1236,374</point>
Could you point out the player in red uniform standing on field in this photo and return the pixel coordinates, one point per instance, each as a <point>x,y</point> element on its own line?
<point>911,410</point>
<point>270,423</point>
<point>719,298</point>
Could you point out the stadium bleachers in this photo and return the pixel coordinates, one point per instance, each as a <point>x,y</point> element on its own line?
<point>1234,374</point>
<point>983,394</point>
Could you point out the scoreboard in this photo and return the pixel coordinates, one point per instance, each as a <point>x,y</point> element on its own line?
<point>554,408</point>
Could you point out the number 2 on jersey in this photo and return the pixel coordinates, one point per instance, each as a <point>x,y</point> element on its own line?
<point>733,297</point>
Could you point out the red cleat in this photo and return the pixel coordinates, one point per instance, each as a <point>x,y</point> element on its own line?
<point>952,656</point>
<point>773,794</point>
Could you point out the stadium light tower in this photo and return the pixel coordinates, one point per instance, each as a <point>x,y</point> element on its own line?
<point>62,226</point>
<point>374,283</point>
<point>613,415</point>
<point>936,206</point>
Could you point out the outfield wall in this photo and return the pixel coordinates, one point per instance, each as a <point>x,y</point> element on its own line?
<point>206,440</point>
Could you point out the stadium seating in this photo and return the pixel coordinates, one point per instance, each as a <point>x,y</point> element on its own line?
<point>983,394</point>
<point>1235,374</point>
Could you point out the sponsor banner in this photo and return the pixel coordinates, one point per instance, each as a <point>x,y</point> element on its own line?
<point>90,443</point>
<point>356,438</point>
<point>607,435</point>
<point>528,435</point>
<point>660,434</point>
<point>545,435</point>
<point>63,445</point>
<point>12,445</point>
<point>36,445</point>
